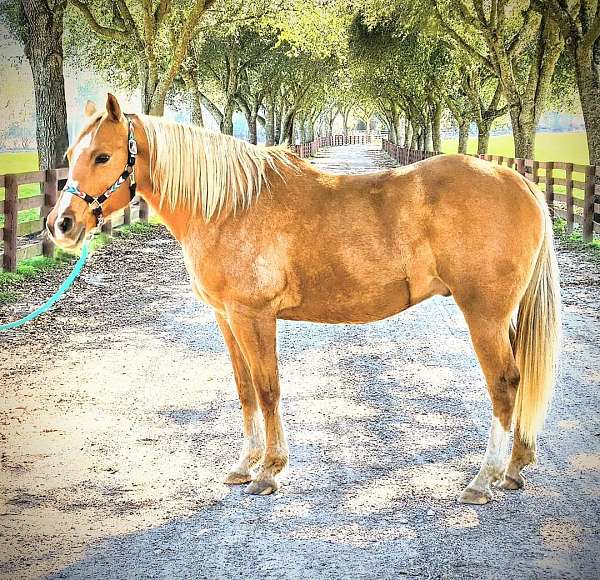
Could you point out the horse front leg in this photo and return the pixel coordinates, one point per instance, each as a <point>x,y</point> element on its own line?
<point>256,335</point>
<point>254,440</point>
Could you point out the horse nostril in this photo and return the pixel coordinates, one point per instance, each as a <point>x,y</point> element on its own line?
<point>64,224</point>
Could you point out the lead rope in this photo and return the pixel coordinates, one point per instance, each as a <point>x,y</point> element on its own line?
<point>63,288</point>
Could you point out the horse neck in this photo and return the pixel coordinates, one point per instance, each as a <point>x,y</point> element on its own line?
<point>177,219</point>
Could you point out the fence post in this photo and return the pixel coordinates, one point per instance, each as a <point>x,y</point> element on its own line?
<point>569,193</point>
<point>588,204</point>
<point>50,193</point>
<point>11,216</point>
<point>127,215</point>
<point>144,210</point>
<point>535,172</point>
<point>520,165</point>
<point>549,166</point>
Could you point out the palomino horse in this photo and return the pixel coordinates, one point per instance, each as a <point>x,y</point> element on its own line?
<point>266,235</point>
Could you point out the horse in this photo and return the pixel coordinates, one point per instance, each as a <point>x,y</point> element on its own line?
<point>267,236</point>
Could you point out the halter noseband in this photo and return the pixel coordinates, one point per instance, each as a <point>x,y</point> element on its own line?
<point>96,203</point>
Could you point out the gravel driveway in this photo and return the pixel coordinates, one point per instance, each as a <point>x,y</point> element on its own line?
<point>119,418</point>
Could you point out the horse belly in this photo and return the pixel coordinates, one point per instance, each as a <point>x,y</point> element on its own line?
<point>350,304</point>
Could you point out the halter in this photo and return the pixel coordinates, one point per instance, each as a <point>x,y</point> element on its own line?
<point>96,203</point>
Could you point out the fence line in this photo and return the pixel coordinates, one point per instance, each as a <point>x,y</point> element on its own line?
<point>50,181</point>
<point>309,149</point>
<point>572,190</point>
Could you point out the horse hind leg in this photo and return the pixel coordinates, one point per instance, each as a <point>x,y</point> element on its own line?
<point>492,345</point>
<point>523,453</point>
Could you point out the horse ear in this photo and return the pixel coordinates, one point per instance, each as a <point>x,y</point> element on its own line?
<point>90,108</point>
<point>113,108</point>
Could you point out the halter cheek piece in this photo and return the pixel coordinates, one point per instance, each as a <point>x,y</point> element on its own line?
<point>96,203</point>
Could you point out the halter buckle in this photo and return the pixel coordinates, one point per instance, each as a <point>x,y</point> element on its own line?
<point>133,146</point>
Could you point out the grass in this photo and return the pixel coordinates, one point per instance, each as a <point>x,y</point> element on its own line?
<point>570,147</point>
<point>33,267</point>
<point>20,162</point>
<point>574,239</point>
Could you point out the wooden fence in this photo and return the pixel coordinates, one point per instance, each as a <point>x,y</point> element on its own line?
<point>310,148</point>
<point>572,191</point>
<point>17,237</point>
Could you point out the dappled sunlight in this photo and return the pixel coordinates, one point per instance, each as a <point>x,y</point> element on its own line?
<point>465,517</point>
<point>435,481</point>
<point>413,438</point>
<point>586,461</point>
<point>561,534</point>
<point>352,534</point>
<point>97,473</point>
<point>569,424</point>
<point>377,496</point>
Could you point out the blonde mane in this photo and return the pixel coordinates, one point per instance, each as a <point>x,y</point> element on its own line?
<point>207,172</point>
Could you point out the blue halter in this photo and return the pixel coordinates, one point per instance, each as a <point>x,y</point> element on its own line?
<point>96,203</point>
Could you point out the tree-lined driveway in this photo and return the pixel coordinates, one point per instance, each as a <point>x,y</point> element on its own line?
<point>119,418</point>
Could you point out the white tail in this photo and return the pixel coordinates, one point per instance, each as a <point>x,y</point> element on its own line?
<point>537,337</point>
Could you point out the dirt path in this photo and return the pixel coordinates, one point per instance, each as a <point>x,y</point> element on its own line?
<point>119,417</point>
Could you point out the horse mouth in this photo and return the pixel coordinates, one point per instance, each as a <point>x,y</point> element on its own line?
<point>67,243</point>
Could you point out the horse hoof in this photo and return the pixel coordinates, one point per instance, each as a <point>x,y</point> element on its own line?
<point>235,478</point>
<point>475,496</point>
<point>512,483</point>
<point>262,487</point>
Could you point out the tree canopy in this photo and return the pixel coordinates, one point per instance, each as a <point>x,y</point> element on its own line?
<point>291,67</point>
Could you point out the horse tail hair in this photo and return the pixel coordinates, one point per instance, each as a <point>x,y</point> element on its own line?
<point>537,339</point>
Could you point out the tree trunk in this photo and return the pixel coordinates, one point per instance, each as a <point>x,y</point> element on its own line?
<point>270,121</point>
<point>345,116</point>
<point>399,128</point>
<point>310,129</point>
<point>196,117</point>
<point>523,127</point>
<point>414,142</point>
<point>192,88</point>
<point>587,70</point>
<point>227,123</point>
<point>143,79</point>
<point>252,136</point>
<point>436,126</point>
<point>426,143</point>
<point>408,133</point>
<point>483,136</point>
<point>463,135</point>
<point>276,124</point>
<point>287,130</point>
<point>44,51</point>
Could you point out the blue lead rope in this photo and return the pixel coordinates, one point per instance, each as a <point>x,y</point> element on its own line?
<point>63,288</point>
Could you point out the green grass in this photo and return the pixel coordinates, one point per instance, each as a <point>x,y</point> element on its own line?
<point>134,229</point>
<point>32,267</point>
<point>575,239</point>
<point>20,162</point>
<point>9,296</point>
<point>570,147</point>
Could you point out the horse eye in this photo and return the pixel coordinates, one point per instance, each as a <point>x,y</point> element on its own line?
<point>102,158</point>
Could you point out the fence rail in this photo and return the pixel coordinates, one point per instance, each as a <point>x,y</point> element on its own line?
<point>310,148</point>
<point>572,190</point>
<point>17,236</point>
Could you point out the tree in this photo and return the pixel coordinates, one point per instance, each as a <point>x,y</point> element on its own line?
<point>144,38</point>
<point>460,108</point>
<point>519,46</point>
<point>580,28</point>
<point>38,25</point>
<point>484,93</point>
